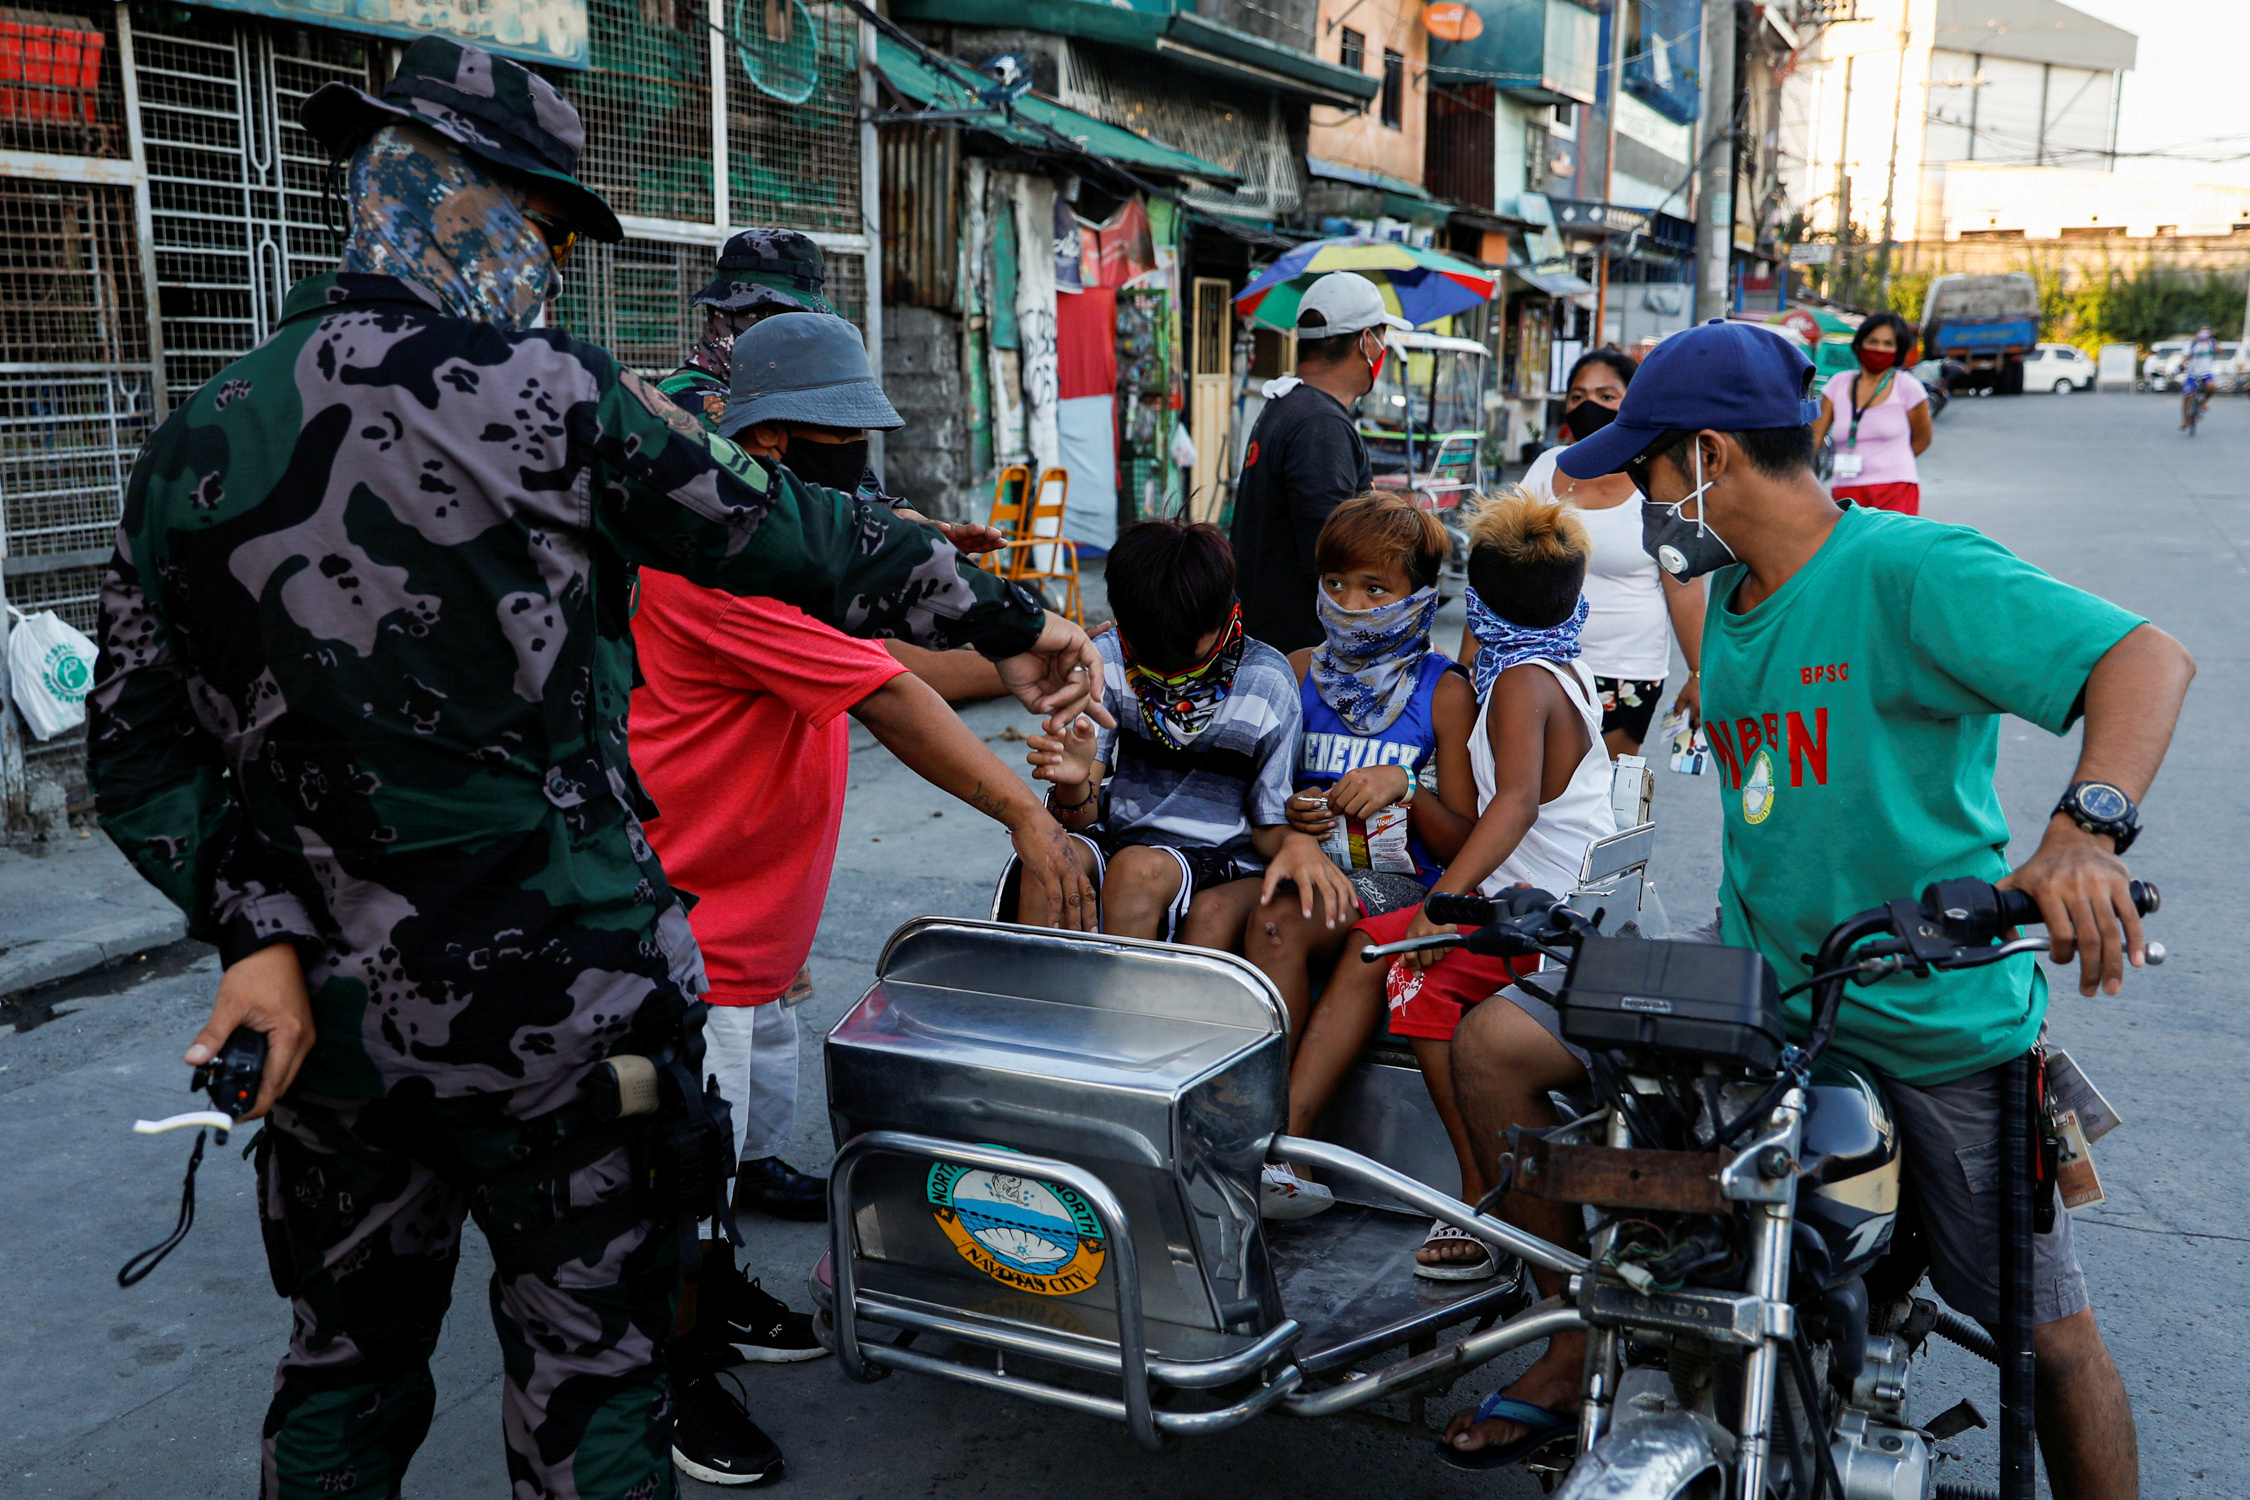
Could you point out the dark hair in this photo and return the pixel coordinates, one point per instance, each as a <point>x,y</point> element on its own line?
<point>1901,330</point>
<point>1383,527</point>
<point>1170,585</point>
<point>1776,452</point>
<point>1617,359</point>
<point>1527,558</point>
<point>1327,351</point>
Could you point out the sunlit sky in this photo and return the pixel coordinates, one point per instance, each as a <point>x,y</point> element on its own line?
<point>2185,87</point>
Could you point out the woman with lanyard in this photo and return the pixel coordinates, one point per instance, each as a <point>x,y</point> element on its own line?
<point>1888,417</point>
<point>1633,610</point>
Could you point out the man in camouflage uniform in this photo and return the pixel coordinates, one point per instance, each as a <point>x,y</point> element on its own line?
<point>360,711</point>
<point>761,272</point>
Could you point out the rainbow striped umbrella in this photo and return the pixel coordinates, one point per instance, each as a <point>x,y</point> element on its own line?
<point>1420,286</point>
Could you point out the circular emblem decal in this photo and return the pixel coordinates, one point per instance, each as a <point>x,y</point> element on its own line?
<point>1251,458</point>
<point>66,674</point>
<point>1757,792</point>
<point>1027,1234</point>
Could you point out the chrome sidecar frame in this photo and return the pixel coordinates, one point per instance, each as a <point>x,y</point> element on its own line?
<point>1163,1070</point>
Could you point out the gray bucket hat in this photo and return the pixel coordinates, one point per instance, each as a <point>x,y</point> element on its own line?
<point>805,367</point>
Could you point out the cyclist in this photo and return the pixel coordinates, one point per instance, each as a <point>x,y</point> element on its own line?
<point>1856,663</point>
<point>2197,379</point>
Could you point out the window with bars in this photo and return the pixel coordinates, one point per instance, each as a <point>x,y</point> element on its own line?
<point>1351,50</point>
<point>60,93</point>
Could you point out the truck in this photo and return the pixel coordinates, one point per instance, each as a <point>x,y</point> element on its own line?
<point>1987,323</point>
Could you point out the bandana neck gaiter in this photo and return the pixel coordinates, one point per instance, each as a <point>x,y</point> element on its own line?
<point>425,212</point>
<point>1177,706</point>
<point>1506,644</point>
<point>1369,666</point>
<point>713,353</point>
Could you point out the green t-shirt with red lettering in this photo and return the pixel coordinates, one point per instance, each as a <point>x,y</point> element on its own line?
<point>1854,717</point>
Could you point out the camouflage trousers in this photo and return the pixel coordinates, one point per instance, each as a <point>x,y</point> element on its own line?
<point>362,1203</point>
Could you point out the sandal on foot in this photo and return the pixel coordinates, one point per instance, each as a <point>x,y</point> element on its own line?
<point>1540,1425</point>
<point>1484,1268</point>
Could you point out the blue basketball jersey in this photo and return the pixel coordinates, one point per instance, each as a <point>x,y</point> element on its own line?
<point>1330,747</point>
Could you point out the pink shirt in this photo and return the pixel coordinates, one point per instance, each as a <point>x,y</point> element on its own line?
<point>1886,444</point>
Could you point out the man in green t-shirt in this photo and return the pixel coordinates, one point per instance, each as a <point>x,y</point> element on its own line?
<point>1855,667</point>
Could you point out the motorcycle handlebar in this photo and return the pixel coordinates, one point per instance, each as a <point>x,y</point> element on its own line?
<point>1476,910</point>
<point>2017,909</point>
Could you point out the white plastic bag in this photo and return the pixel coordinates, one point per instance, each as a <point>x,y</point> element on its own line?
<point>1183,447</point>
<point>50,667</point>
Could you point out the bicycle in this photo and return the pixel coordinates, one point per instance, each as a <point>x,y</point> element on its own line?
<point>2195,399</point>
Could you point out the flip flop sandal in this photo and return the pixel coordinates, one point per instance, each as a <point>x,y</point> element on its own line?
<point>1540,1425</point>
<point>1442,1233</point>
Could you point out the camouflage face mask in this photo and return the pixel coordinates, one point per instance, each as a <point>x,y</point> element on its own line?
<point>713,353</point>
<point>426,213</point>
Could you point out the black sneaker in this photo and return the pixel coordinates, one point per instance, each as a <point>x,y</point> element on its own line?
<point>759,1325</point>
<point>772,1186</point>
<point>713,1438</point>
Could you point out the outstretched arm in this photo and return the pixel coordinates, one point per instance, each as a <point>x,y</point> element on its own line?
<point>915,725</point>
<point>2133,699</point>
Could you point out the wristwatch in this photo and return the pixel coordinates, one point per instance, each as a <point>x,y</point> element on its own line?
<point>2098,807</point>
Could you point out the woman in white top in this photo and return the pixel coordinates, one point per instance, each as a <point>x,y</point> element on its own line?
<point>1633,610</point>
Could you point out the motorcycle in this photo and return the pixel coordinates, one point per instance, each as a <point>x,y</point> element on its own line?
<point>1049,1187</point>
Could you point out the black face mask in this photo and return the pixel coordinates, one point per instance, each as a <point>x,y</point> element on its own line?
<point>835,465</point>
<point>1587,418</point>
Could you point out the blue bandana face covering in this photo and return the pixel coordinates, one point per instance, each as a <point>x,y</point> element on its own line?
<point>1372,659</point>
<point>1506,643</point>
<point>427,213</point>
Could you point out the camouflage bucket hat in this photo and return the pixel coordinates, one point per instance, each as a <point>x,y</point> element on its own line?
<point>805,368</point>
<point>777,269</point>
<point>497,110</point>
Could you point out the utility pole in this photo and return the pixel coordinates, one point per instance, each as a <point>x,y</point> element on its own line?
<point>1890,178</point>
<point>1714,218</point>
<point>1609,175</point>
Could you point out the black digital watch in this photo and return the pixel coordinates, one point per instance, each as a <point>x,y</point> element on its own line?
<point>2098,807</point>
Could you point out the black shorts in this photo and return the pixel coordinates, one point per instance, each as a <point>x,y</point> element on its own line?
<point>1628,705</point>
<point>1200,870</point>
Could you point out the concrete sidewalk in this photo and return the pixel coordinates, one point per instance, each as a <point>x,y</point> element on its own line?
<point>75,910</point>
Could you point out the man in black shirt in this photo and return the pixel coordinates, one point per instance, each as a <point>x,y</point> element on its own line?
<point>1305,457</point>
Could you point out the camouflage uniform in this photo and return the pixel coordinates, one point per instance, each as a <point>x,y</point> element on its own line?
<point>363,683</point>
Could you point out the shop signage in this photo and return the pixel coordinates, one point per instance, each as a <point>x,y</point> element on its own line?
<point>545,31</point>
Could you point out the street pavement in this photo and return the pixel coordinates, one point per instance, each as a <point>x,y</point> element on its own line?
<point>159,1391</point>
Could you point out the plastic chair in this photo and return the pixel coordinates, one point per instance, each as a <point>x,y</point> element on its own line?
<point>1011,494</point>
<point>1037,548</point>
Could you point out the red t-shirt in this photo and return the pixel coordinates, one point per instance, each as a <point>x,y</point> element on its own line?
<point>739,735</point>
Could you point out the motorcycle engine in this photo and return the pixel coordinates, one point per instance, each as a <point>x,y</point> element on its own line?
<point>1877,1461</point>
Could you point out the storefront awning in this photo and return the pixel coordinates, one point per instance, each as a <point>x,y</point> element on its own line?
<point>939,90</point>
<point>1557,284</point>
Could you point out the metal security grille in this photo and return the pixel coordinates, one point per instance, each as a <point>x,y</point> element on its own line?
<point>236,186</point>
<point>793,115</point>
<point>59,92</point>
<point>76,396</point>
<point>647,107</point>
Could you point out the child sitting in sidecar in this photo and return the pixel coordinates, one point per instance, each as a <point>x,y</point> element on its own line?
<point>1383,770</point>
<point>1190,833</point>
<point>1542,778</point>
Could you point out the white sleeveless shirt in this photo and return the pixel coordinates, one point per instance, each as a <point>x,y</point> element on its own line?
<point>1552,852</point>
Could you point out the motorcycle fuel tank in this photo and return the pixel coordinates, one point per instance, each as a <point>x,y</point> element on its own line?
<point>1162,1070</point>
<point>1851,1158</point>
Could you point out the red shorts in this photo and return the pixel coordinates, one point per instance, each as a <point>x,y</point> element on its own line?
<point>1431,1002</point>
<point>1906,499</point>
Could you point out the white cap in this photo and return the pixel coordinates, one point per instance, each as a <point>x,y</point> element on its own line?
<point>1344,302</point>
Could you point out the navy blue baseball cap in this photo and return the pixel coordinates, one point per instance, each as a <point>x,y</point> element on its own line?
<point>1727,377</point>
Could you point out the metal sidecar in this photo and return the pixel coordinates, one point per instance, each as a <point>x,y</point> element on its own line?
<point>1049,1185</point>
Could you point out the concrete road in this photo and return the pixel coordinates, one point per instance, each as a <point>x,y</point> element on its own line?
<point>159,1391</point>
